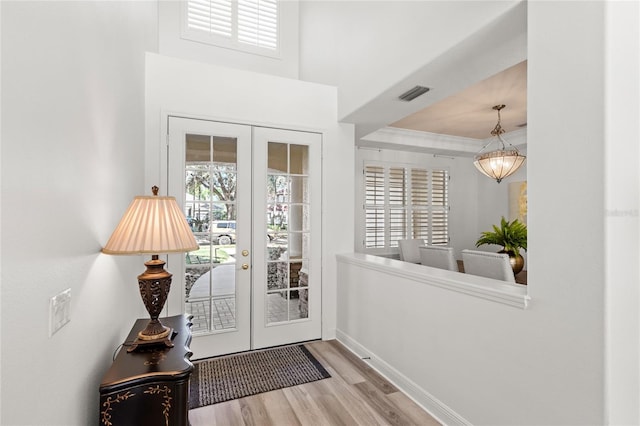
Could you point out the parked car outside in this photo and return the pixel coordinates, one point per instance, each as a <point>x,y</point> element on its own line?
<point>223,231</point>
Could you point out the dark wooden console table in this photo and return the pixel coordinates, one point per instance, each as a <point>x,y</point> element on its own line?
<point>149,386</point>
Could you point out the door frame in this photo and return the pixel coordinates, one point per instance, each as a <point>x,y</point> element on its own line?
<point>264,334</point>
<point>238,338</point>
<point>176,301</point>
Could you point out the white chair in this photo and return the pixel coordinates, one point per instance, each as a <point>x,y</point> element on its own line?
<point>409,250</point>
<point>438,257</point>
<point>486,264</point>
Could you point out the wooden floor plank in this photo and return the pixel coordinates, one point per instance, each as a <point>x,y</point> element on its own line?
<point>359,409</point>
<point>222,414</point>
<point>254,412</point>
<point>305,406</point>
<point>280,410</point>
<point>412,410</point>
<point>325,363</point>
<point>355,394</point>
<point>381,404</point>
<point>331,406</point>
<point>327,355</point>
<point>364,369</point>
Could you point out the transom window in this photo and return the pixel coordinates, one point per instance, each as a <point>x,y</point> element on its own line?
<point>404,202</point>
<point>248,25</point>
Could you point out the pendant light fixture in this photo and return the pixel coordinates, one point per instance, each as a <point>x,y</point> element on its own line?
<point>502,162</point>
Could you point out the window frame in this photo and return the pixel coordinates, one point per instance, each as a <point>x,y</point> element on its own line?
<point>405,205</point>
<point>232,42</point>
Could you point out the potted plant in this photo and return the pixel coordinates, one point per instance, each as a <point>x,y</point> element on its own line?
<point>512,236</point>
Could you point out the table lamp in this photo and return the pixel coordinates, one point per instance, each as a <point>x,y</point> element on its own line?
<point>152,225</point>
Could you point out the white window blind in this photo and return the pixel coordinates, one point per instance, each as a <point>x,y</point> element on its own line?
<point>233,23</point>
<point>258,23</point>
<point>397,189</point>
<point>210,16</point>
<point>374,206</point>
<point>405,202</point>
<point>439,207</point>
<point>420,203</point>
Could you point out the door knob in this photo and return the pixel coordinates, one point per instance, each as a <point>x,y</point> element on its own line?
<point>245,266</point>
<point>245,253</point>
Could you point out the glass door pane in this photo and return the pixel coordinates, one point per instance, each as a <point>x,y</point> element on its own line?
<point>287,226</point>
<point>210,208</point>
<point>209,173</point>
<point>287,196</point>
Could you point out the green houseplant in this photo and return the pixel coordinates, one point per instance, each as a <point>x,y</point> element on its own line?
<point>512,236</point>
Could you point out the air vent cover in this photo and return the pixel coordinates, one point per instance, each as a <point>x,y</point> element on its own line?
<point>411,94</point>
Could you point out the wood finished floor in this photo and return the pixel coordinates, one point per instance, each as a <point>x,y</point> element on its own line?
<point>354,395</point>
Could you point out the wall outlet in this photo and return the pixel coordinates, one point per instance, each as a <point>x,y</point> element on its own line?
<point>59,311</point>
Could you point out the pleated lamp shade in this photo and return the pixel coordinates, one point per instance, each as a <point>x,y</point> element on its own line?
<point>151,225</point>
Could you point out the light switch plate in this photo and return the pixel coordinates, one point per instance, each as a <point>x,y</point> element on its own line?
<point>59,311</point>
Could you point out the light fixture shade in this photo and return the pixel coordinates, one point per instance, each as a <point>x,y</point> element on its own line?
<point>499,164</point>
<point>151,225</point>
<point>502,162</point>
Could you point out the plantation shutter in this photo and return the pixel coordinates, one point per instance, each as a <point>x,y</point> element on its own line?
<point>239,22</point>
<point>397,205</point>
<point>402,202</point>
<point>258,23</point>
<point>374,206</point>
<point>419,204</point>
<point>439,207</point>
<point>211,16</point>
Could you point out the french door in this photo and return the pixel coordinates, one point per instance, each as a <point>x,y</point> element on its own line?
<point>252,198</point>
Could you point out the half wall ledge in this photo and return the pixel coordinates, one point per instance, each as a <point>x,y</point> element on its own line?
<point>514,295</point>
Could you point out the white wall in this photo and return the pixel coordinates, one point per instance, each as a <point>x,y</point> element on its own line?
<point>544,365</point>
<point>571,209</point>
<point>72,160</point>
<point>493,197</point>
<point>226,94</point>
<point>366,47</point>
<point>622,203</point>
<point>285,64</point>
<point>0,220</point>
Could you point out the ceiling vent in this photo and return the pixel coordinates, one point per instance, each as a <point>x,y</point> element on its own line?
<point>411,94</point>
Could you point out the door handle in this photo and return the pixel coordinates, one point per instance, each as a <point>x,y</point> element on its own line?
<point>245,253</point>
<point>245,266</point>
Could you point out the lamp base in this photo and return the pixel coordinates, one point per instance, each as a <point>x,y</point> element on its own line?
<point>154,284</point>
<point>143,341</point>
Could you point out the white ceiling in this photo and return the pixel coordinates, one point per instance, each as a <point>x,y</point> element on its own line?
<point>470,113</point>
<point>455,117</point>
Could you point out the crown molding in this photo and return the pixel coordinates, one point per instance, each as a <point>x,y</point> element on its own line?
<point>434,143</point>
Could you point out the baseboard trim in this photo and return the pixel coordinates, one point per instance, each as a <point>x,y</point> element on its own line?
<point>431,404</point>
<point>329,334</point>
